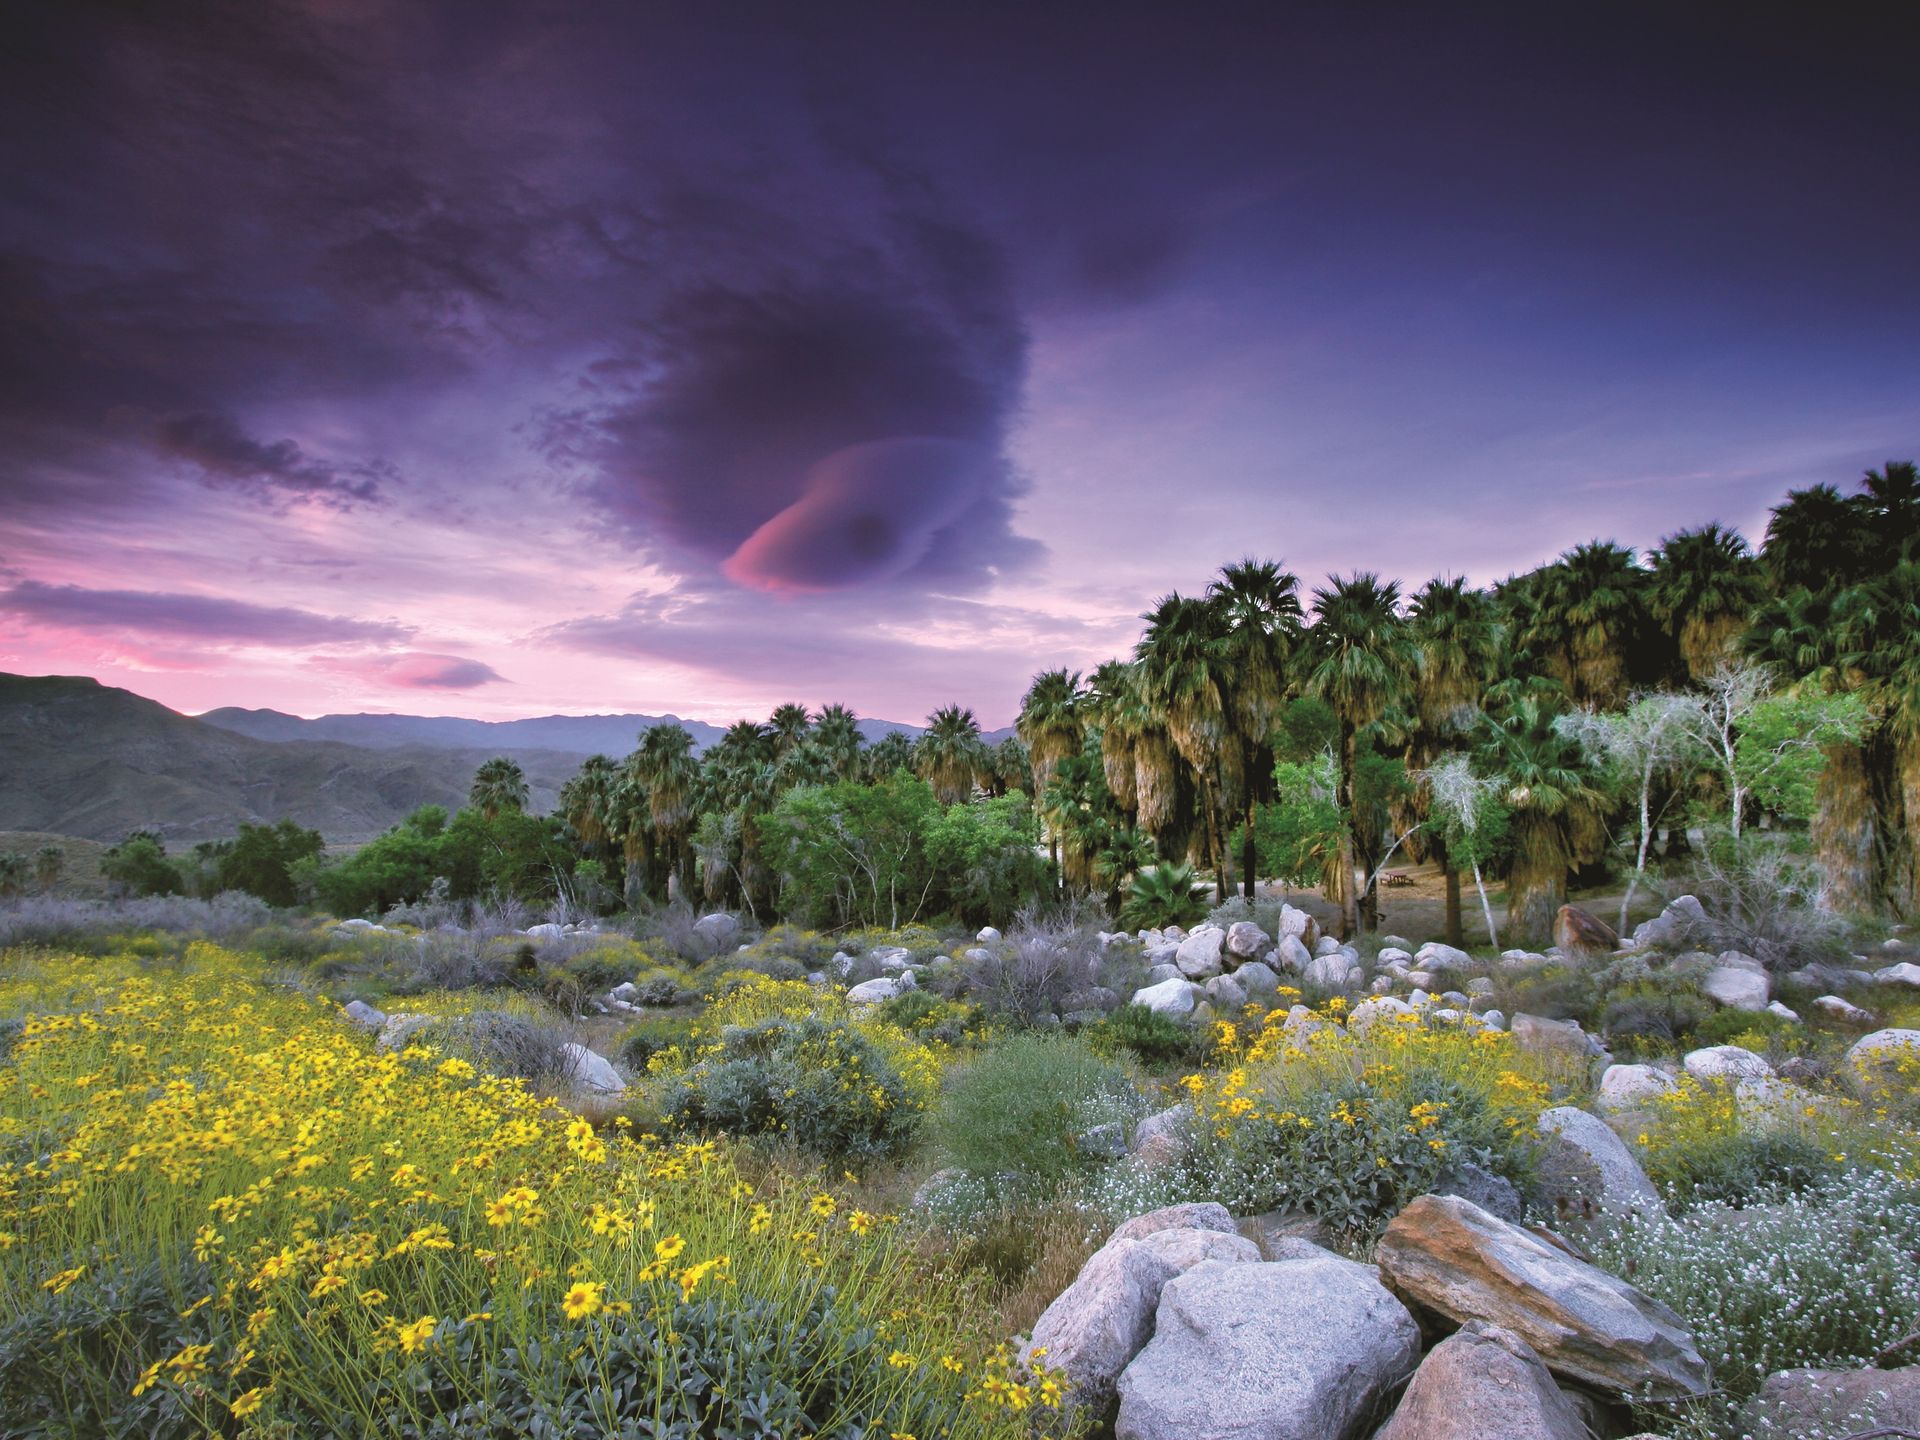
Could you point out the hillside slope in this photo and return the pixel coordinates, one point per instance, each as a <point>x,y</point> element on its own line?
<point>81,758</point>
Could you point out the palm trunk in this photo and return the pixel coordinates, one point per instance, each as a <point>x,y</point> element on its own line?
<point>1349,885</point>
<point>1536,886</point>
<point>1845,832</point>
<point>1249,854</point>
<point>1906,856</point>
<point>1455,933</point>
<point>1216,845</point>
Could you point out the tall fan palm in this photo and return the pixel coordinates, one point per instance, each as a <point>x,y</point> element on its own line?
<point>1818,539</point>
<point>1592,623</point>
<point>1184,678</point>
<point>1115,707</point>
<point>1706,585</point>
<point>1360,661</point>
<point>499,784</point>
<point>1459,654</point>
<point>1260,605</point>
<point>1051,724</point>
<point>892,752</point>
<point>1557,814</point>
<point>1877,644</point>
<point>836,732</point>
<point>1011,766</point>
<point>950,753</point>
<point>664,764</point>
<point>1892,498</point>
<point>586,800</point>
<point>788,726</point>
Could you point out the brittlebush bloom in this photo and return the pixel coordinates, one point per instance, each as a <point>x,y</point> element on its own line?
<point>413,1338</point>
<point>669,1248</point>
<point>59,1283</point>
<point>244,1405</point>
<point>582,1300</point>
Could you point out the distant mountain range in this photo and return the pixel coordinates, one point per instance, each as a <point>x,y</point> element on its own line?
<point>613,735</point>
<point>85,759</point>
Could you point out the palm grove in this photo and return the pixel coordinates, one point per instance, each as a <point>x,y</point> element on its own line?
<point>1589,718</point>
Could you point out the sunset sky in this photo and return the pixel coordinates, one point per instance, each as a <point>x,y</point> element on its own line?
<point>503,360</point>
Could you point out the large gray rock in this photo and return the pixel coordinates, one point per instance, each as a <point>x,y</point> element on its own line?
<point>1632,1087</point>
<point>361,1013</point>
<point>1174,997</point>
<point>1297,923</point>
<point>1493,1193</point>
<point>1380,1009</point>
<point>400,1028</point>
<point>1884,1060</point>
<point>1905,973</point>
<point>1199,954</point>
<point>1585,1169</point>
<point>1843,1009</point>
<point>1453,1257</point>
<point>1329,971</point>
<point>1191,1215</point>
<point>1538,1035</point>
<point>880,988</point>
<point>717,928</point>
<point>1095,1327</point>
<point>1671,927</point>
<point>590,1072</point>
<point>1737,987</point>
<point>1300,1349</point>
<point>1226,994</point>
<point>1726,1062</point>
<point>1186,1248</point>
<point>1163,1138</point>
<point>1246,939</point>
<point>1796,1402</point>
<point>1293,954</point>
<point>1256,977</point>
<point>1483,1383</point>
<point>1435,956</point>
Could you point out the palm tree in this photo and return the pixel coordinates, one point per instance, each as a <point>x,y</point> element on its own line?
<point>500,784</point>
<point>836,733</point>
<point>1877,655</point>
<point>1891,497</point>
<point>892,752</point>
<point>1114,707</point>
<point>950,753</point>
<point>586,802</point>
<point>1818,539</point>
<point>788,725</point>
<point>1360,661</point>
<point>1183,674</point>
<point>1459,647</point>
<point>1591,622</point>
<point>1051,725</point>
<point>1558,816</point>
<point>1260,604</point>
<point>664,764</point>
<point>1706,585</point>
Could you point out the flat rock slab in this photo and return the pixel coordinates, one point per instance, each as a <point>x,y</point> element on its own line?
<point>1453,1257</point>
<point>1303,1349</point>
<point>1483,1383</point>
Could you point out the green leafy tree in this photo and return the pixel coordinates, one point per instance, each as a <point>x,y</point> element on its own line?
<point>138,865</point>
<point>263,860</point>
<point>985,859</point>
<point>853,854</point>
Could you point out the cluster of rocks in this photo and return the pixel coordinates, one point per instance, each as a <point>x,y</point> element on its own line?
<point>588,1072</point>
<point>1182,1327</point>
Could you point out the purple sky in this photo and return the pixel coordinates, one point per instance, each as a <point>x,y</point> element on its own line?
<point>501,360</point>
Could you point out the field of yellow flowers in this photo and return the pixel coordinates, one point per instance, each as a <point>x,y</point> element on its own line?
<point>224,1211</point>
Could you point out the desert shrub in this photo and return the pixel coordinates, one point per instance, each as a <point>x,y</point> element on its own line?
<point>1022,1109</point>
<point>1698,1144</point>
<point>100,925</point>
<point>1147,1035</point>
<point>817,1083</point>
<point>1653,1015</point>
<point>651,1036</point>
<point>808,948</point>
<point>1762,899</point>
<point>924,1013</point>
<point>1042,961</point>
<point>421,1249</point>
<point>451,960</point>
<point>525,1046</point>
<point>1167,894</point>
<point>607,961</point>
<point>661,987</point>
<point>1557,992</point>
<point>1347,1127</point>
<point>288,944</point>
<point>1756,1030</point>
<point>1824,1278</point>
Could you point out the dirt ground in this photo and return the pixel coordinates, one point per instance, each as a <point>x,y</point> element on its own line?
<point>1413,905</point>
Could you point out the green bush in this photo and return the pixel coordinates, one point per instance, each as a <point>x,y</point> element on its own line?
<point>1168,894</point>
<point>815,1082</point>
<point>1742,1168</point>
<point>1147,1035</point>
<point>1653,1015</point>
<point>1758,1031</point>
<point>647,1037</point>
<point>1022,1109</point>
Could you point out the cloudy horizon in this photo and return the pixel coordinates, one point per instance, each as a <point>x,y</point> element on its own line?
<point>597,358</point>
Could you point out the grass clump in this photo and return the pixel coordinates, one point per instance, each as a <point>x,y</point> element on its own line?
<point>1021,1113</point>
